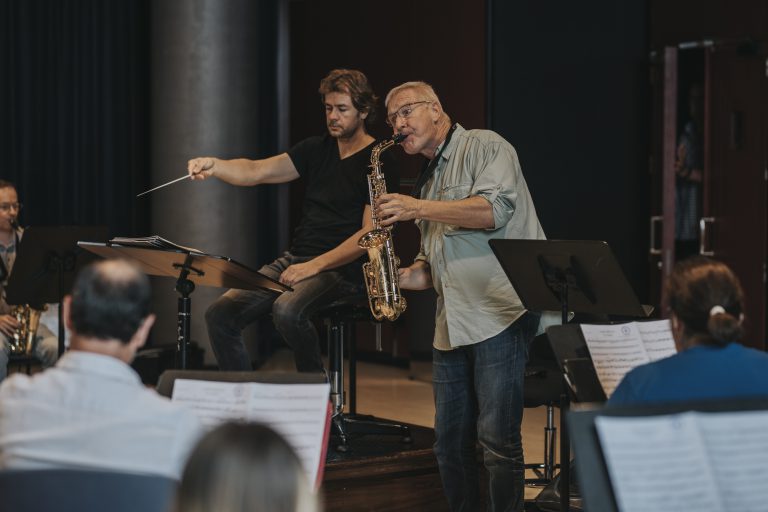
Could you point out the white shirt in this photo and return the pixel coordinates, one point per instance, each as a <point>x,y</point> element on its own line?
<point>92,411</point>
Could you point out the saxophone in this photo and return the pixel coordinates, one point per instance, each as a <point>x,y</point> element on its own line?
<point>380,273</point>
<point>28,318</point>
<point>23,339</point>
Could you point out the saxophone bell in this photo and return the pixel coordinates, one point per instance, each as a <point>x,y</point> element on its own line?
<point>28,319</point>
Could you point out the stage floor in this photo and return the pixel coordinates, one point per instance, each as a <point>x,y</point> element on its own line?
<point>401,395</point>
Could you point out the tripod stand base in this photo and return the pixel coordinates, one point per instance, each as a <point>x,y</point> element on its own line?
<point>345,426</point>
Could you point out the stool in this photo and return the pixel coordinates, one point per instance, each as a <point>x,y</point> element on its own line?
<point>340,318</point>
<point>543,386</point>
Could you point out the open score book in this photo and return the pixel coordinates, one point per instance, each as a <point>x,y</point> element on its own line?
<point>298,412</point>
<point>702,461</point>
<point>616,349</point>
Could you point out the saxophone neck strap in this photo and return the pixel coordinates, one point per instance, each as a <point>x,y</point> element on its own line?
<point>429,168</point>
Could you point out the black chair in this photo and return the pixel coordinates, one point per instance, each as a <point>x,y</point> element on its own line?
<point>340,318</point>
<point>543,386</point>
<point>76,490</point>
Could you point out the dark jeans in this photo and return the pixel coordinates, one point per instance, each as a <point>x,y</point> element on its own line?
<point>291,313</point>
<point>479,398</point>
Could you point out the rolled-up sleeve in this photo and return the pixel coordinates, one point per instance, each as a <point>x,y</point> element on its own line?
<point>495,181</point>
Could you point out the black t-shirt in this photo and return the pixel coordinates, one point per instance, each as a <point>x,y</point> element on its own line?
<point>336,192</point>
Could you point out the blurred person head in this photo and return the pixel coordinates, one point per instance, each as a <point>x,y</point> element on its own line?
<point>108,309</point>
<point>244,467</point>
<point>706,302</point>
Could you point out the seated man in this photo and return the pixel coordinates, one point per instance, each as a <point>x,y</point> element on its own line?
<point>706,304</point>
<point>46,344</point>
<point>91,410</point>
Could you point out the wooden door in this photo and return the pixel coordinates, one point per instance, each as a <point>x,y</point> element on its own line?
<point>661,253</point>
<point>735,230</point>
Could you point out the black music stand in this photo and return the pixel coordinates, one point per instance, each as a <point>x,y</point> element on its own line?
<point>567,275</point>
<point>572,355</point>
<point>46,264</point>
<point>189,267</point>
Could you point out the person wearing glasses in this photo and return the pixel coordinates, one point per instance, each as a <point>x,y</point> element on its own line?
<point>472,190</point>
<point>46,345</point>
<point>321,263</point>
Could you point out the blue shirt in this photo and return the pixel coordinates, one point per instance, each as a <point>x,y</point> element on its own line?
<point>475,300</point>
<point>698,373</point>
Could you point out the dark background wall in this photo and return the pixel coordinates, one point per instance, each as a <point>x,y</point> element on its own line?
<point>570,91</point>
<point>74,116</point>
<point>566,83</point>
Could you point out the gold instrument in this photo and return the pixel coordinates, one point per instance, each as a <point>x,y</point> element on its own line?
<point>23,339</point>
<point>380,272</point>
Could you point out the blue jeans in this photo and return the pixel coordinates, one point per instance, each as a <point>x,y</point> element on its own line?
<point>46,349</point>
<point>479,398</point>
<point>291,313</point>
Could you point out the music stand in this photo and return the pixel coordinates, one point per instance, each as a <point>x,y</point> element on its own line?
<point>46,264</point>
<point>189,267</point>
<point>567,275</point>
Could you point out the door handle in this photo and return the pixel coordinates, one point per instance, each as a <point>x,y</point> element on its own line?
<point>655,219</point>
<point>703,238</point>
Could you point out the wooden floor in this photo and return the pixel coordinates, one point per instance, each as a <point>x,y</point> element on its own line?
<point>405,395</point>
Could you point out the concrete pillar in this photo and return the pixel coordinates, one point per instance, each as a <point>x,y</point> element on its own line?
<point>212,71</point>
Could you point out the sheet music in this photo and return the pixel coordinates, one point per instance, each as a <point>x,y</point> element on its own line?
<point>658,463</point>
<point>688,461</point>
<point>615,349</point>
<point>657,339</point>
<point>297,411</point>
<point>155,241</point>
<point>737,445</point>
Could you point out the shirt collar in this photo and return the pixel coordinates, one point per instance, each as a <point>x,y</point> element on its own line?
<point>79,361</point>
<point>451,144</point>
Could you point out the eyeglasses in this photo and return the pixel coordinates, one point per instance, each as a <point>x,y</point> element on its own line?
<point>6,207</point>
<point>405,111</point>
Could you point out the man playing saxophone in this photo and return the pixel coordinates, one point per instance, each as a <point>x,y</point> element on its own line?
<point>46,345</point>
<point>319,264</point>
<point>473,190</point>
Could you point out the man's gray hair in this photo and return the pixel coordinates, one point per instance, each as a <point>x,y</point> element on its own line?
<point>422,88</point>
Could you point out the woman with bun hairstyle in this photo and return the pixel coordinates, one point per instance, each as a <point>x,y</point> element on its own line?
<point>706,305</point>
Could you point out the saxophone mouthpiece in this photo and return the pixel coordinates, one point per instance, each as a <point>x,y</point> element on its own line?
<point>397,139</point>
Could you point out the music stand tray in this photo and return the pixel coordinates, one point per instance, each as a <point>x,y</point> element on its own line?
<point>189,267</point>
<point>567,275</point>
<point>46,264</point>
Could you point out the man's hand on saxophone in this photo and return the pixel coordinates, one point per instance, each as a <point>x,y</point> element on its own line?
<point>393,208</point>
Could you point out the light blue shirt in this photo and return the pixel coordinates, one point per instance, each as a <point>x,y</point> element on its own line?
<point>475,299</point>
<point>92,411</point>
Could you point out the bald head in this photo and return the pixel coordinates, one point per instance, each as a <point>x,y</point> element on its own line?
<point>110,299</point>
